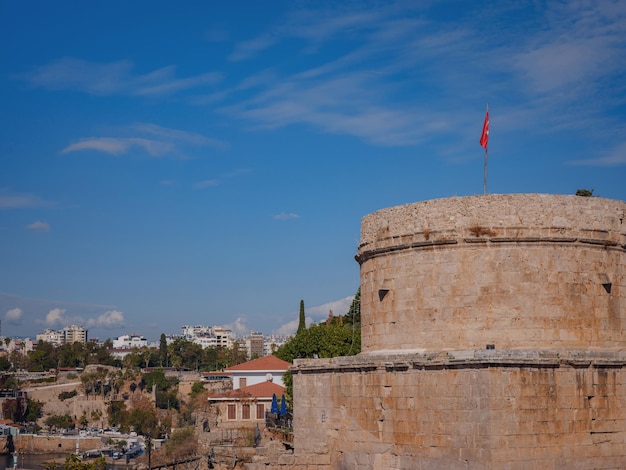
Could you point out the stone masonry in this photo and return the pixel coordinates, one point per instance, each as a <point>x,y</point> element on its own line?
<point>492,338</point>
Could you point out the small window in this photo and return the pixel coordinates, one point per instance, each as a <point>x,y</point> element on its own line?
<point>243,381</point>
<point>245,411</point>
<point>260,411</point>
<point>232,413</point>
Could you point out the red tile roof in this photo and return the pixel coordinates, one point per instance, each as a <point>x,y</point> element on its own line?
<point>263,390</point>
<point>261,364</point>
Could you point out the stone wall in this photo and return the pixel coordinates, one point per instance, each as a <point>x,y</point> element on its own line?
<point>475,409</point>
<point>75,407</point>
<point>517,271</point>
<point>30,443</point>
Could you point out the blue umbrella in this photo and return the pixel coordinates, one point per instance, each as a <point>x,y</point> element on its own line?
<point>274,408</point>
<point>283,406</point>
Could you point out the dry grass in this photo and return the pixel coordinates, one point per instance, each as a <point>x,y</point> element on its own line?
<point>479,231</point>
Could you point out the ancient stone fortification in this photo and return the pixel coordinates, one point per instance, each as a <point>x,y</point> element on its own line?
<point>493,336</point>
<point>517,271</point>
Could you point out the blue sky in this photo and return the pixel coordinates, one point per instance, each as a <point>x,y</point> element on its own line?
<point>209,163</point>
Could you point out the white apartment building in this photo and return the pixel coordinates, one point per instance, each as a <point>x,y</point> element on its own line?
<point>51,336</point>
<point>208,336</point>
<point>129,342</point>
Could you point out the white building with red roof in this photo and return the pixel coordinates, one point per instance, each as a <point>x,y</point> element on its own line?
<point>254,385</point>
<point>263,369</point>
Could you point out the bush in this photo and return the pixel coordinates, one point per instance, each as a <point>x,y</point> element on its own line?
<point>59,421</point>
<point>67,395</point>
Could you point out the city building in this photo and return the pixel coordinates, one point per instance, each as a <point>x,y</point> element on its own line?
<point>255,383</point>
<point>51,336</point>
<point>131,341</point>
<point>74,334</point>
<point>208,336</point>
<point>69,334</point>
<point>263,369</point>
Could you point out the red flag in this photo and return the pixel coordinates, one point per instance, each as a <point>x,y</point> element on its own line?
<point>484,138</point>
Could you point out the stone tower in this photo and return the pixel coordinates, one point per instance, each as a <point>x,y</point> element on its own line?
<point>493,336</point>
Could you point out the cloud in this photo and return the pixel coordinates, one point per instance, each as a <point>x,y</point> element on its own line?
<point>113,78</point>
<point>287,328</point>
<point>316,314</point>
<point>239,327</point>
<point>205,184</point>
<point>171,84</point>
<point>338,307</point>
<point>151,139</point>
<point>615,157</point>
<point>561,63</point>
<point>110,319</point>
<point>13,316</point>
<point>56,317</point>
<point>20,201</point>
<point>176,135</point>
<point>39,226</point>
<point>120,146</point>
<point>247,49</point>
<point>286,216</point>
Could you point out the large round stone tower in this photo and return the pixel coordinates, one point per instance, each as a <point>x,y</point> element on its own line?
<point>493,336</point>
<point>524,271</point>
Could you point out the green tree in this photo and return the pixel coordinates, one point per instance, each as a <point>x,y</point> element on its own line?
<point>118,416</point>
<point>59,421</point>
<point>163,350</point>
<point>43,357</point>
<point>5,364</point>
<point>197,388</point>
<point>302,320</point>
<point>353,316</point>
<point>74,462</point>
<point>143,418</point>
<point>183,443</point>
<point>584,192</point>
<point>33,411</point>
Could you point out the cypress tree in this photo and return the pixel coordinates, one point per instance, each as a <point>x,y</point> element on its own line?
<point>302,323</point>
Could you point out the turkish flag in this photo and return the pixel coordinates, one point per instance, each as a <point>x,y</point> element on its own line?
<point>484,138</point>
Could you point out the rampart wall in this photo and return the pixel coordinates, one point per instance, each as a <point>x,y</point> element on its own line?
<point>486,409</point>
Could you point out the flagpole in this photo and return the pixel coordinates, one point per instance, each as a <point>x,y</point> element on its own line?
<point>485,174</point>
<point>486,151</point>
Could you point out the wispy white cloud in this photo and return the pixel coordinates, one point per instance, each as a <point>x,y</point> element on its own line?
<point>112,78</point>
<point>205,184</point>
<point>73,74</point>
<point>150,139</point>
<point>286,216</point>
<point>10,200</point>
<point>615,157</point>
<point>39,226</point>
<point>252,47</point>
<point>556,67</point>
<point>121,145</point>
<point>209,183</point>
